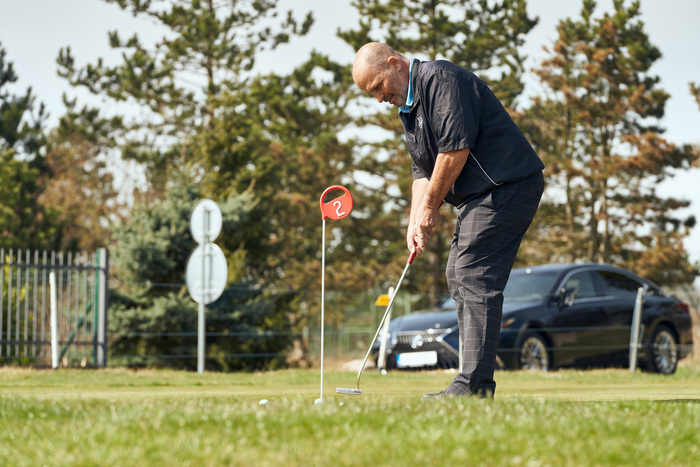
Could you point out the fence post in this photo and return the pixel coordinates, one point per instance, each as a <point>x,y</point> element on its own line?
<point>634,333</point>
<point>102,305</point>
<point>2,294</point>
<point>381,359</point>
<point>54,321</point>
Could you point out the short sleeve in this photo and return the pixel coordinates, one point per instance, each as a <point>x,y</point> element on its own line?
<point>454,110</point>
<point>417,173</point>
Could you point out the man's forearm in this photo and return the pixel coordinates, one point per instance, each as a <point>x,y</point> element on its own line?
<point>448,166</point>
<point>428,196</point>
<point>420,186</point>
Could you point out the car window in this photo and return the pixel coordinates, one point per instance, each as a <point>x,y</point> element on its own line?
<point>582,282</point>
<point>615,284</point>
<point>528,286</point>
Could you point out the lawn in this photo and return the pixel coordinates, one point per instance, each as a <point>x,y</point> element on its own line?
<point>158,417</point>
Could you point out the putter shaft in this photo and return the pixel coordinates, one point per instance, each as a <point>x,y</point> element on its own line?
<point>386,313</point>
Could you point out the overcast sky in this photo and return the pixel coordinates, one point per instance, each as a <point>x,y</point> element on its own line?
<point>33,31</point>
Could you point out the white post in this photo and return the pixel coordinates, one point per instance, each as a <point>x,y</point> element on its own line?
<point>634,332</point>
<point>381,360</point>
<point>54,321</point>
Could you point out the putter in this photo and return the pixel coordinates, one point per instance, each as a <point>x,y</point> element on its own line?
<point>357,390</point>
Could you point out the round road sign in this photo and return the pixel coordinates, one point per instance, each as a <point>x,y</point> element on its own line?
<point>205,221</point>
<point>206,273</point>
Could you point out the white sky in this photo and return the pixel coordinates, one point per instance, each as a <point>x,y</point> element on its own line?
<point>33,31</point>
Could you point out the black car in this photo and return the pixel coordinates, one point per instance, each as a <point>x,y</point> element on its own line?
<point>554,316</point>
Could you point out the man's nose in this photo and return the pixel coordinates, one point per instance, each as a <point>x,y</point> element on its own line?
<point>379,97</point>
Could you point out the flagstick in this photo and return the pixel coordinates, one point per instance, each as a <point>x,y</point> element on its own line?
<point>323,298</point>
<point>336,209</point>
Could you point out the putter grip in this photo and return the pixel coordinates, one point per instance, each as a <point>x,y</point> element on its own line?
<point>411,257</point>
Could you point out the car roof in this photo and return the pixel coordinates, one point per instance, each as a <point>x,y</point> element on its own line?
<point>567,267</point>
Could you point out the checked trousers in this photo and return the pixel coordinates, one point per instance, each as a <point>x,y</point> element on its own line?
<point>486,240</point>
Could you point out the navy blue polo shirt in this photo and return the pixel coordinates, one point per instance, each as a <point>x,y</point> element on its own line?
<point>453,109</point>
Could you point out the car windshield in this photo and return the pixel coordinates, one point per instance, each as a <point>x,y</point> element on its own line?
<point>526,286</point>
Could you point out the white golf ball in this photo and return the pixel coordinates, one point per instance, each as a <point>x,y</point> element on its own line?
<point>342,403</point>
<point>318,401</point>
<point>263,402</point>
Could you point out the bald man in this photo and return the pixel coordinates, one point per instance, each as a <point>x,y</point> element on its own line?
<point>467,152</point>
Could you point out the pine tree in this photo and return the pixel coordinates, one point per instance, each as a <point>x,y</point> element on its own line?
<point>24,222</point>
<point>208,47</point>
<point>77,182</point>
<point>193,87</point>
<point>279,138</point>
<point>151,313</point>
<point>598,134</point>
<point>695,91</point>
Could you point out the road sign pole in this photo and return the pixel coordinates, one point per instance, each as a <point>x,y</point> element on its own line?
<point>201,328</point>
<point>207,280</point>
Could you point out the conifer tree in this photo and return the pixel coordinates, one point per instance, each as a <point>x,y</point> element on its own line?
<point>598,132</point>
<point>24,222</point>
<point>153,316</point>
<point>78,182</point>
<point>192,87</point>
<point>208,47</point>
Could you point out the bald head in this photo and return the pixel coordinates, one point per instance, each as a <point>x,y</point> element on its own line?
<point>373,57</point>
<point>381,71</point>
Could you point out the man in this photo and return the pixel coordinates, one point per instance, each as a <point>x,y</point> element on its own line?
<point>467,151</point>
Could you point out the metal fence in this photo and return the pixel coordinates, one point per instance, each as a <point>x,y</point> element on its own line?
<point>81,306</point>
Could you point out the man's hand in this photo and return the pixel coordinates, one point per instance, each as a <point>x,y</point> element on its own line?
<point>426,219</point>
<point>411,238</point>
<point>428,196</point>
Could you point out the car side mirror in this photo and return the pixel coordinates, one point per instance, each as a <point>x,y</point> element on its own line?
<point>566,296</point>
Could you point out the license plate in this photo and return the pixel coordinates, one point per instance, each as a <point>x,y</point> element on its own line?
<point>416,359</point>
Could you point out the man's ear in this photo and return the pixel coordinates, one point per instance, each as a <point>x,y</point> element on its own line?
<point>394,62</point>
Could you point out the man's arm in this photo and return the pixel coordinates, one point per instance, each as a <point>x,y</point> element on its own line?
<point>418,189</point>
<point>428,196</point>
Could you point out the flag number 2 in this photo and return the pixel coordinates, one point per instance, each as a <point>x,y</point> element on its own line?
<point>338,205</point>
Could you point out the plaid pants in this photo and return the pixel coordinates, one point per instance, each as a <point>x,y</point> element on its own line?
<point>486,240</point>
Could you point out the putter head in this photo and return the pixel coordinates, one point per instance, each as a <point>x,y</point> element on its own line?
<point>352,392</point>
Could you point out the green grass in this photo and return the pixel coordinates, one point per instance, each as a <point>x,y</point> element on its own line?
<point>154,417</point>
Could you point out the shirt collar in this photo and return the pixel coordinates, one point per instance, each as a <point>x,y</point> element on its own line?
<point>409,97</point>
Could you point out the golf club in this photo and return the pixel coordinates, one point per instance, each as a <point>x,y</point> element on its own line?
<point>357,390</point>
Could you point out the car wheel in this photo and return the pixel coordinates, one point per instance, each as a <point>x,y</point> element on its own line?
<point>533,353</point>
<point>662,351</point>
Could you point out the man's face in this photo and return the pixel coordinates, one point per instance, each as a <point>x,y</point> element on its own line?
<point>387,85</point>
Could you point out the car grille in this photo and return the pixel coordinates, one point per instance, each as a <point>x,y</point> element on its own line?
<point>419,341</point>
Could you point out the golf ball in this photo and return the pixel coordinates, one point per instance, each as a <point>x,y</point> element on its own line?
<point>318,401</point>
<point>263,402</point>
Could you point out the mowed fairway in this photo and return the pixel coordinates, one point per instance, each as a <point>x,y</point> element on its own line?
<point>155,417</point>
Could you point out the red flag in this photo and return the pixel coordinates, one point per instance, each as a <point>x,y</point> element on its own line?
<point>338,207</point>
